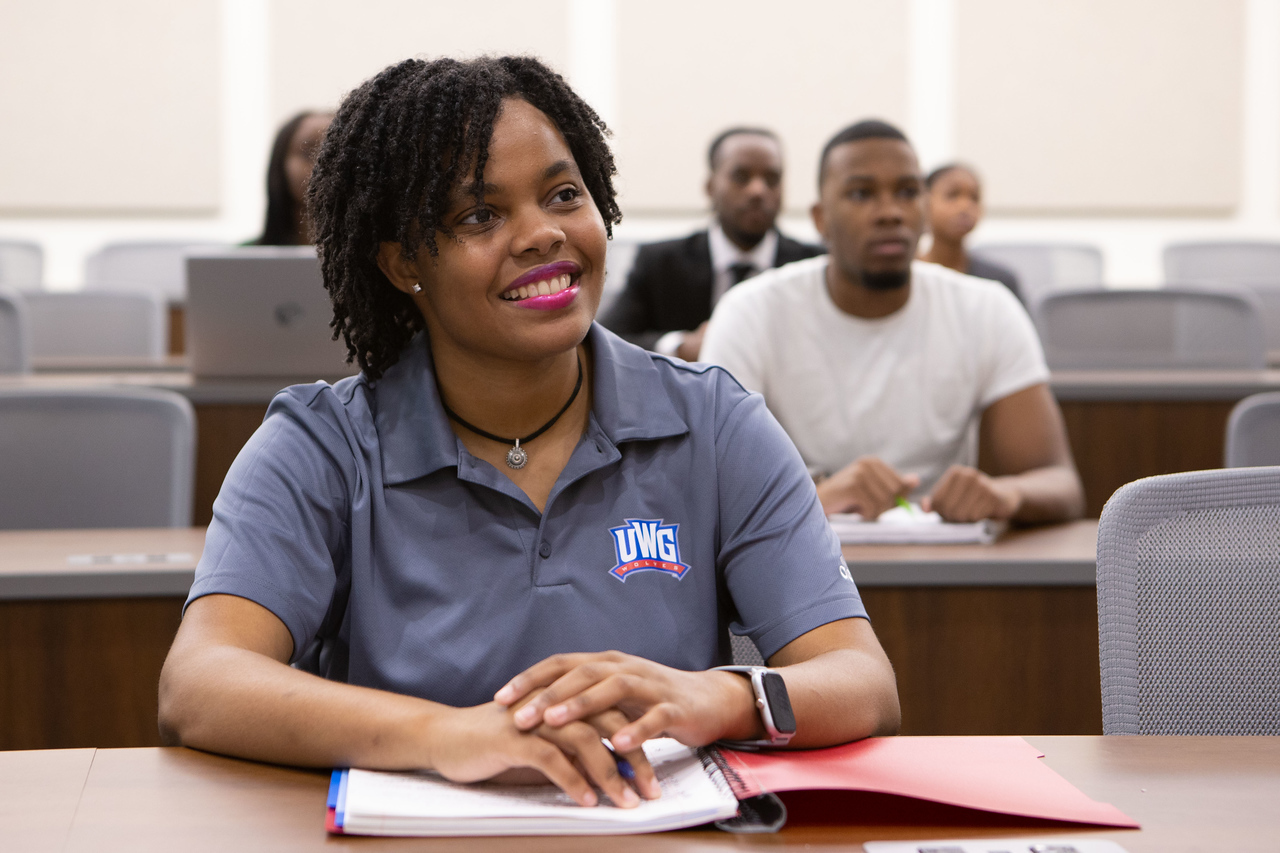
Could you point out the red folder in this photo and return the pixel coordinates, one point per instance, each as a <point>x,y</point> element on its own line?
<point>995,775</point>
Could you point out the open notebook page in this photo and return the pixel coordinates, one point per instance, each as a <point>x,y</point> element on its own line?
<point>378,803</point>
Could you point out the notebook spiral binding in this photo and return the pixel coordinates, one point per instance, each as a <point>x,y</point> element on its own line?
<point>711,758</point>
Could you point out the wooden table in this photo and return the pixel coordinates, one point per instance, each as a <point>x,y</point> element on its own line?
<point>1189,794</point>
<point>990,639</point>
<point>998,639</point>
<point>1123,425</point>
<point>1127,424</point>
<point>86,619</point>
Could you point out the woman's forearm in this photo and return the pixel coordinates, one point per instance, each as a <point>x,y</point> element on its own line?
<point>844,692</point>
<point>239,702</point>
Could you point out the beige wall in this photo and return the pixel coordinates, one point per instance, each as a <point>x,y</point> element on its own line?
<point>1102,106</point>
<point>687,70</point>
<point>319,50</point>
<point>109,107</point>
<point>1124,123</point>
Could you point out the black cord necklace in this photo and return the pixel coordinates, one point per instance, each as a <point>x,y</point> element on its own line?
<point>517,457</point>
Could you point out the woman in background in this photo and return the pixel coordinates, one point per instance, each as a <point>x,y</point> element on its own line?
<point>953,197</point>
<point>293,155</point>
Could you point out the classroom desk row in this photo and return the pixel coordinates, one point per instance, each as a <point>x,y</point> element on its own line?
<point>1123,425</point>
<point>998,639</point>
<point>1188,793</point>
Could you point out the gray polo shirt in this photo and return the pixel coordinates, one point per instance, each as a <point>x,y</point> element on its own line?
<point>355,514</point>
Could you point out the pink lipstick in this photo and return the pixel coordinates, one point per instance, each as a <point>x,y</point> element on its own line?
<point>545,288</point>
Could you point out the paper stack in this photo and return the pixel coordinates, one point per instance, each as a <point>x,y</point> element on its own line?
<point>914,526</point>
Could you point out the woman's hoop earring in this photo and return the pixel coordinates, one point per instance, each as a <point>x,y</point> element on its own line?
<point>417,288</point>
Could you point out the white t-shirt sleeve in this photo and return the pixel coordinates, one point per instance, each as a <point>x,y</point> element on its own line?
<point>1013,357</point>
<point>737,339</point>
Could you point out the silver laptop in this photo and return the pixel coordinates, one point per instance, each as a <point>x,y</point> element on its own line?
<point>261,311</point>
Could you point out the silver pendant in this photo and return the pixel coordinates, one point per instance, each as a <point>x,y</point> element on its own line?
<point>516,457</point>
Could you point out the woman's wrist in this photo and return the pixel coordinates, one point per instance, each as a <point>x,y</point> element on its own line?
<point>741,716</point>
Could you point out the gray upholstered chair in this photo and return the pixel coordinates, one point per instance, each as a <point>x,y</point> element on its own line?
<point>15,355</point>
<point>157,267</point>
<point>104,457</point>
<point>1189,604</point>
<point>21,265</point>
<point>1251,264</point>
<point>1173,328</point>
<point>1043,268</point>
<point>1253,431</point>
<point>95,325</point>
<point>745,652</point>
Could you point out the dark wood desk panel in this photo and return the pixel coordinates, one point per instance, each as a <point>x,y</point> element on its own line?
<point>1190,794</point>
<point>998,639</point>
<point>990,639</point>
<point>176,317</point>
<point>221,431</point>
<point>1116,442</point>
<point>992,660</point>
<point>82,672</point>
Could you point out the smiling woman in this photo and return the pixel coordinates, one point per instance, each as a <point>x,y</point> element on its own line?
<point>452,537</point>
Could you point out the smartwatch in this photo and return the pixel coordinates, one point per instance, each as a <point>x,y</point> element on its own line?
<point>774,704</point>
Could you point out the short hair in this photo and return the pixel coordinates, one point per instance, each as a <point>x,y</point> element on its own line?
<point>397,147</point>
<point>937,173</point>
<point>871,128</point>
<point>736,131</point>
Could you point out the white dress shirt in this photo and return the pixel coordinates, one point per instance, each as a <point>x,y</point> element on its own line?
<point>725,254</point>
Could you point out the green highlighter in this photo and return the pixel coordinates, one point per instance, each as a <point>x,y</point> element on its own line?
<point>902,502</point>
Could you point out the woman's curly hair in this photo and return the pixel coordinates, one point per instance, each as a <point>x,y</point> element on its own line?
<point>396,148</point>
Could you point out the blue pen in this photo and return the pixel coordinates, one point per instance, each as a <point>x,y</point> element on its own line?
<point>625,770</point>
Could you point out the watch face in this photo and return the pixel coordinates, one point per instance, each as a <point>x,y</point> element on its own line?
<point>775,690</point>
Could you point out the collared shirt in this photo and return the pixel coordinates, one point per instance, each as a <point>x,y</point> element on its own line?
<point>725,254</point>
<point>355,513</point>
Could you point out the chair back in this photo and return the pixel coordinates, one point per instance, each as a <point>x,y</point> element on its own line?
<point>1189,604</point>
<point>21,265</point>
<point>744,651</point>
<point>103,457</point>
<point>1175,328</point>
<point>1251,264</point>
<point>1045,267</point>
<point>157,267</point>
<point>14,341</point>
<point>1243,262</point>
<point>95,325</point>
<point>1253,432</point>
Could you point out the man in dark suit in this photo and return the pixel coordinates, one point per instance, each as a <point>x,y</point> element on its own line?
<point>673,285</point>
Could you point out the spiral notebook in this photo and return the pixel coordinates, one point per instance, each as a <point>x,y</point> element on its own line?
<point>365,802</point>
<point>904,779</point>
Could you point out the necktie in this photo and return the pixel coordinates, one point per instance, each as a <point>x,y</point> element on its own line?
<point>741,271</point>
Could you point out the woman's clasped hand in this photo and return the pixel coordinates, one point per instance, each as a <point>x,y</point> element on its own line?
<point>628,700</point>
<point>487,742</point>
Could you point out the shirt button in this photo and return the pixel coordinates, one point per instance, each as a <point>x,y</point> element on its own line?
<point>544,550</point>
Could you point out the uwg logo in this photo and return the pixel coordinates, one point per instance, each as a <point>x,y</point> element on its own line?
<point>643,545</point>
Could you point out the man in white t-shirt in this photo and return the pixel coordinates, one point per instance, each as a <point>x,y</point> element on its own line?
<point>889,373</point>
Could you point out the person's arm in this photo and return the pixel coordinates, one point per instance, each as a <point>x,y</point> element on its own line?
<point>226,687</point>
<point>867,486</point>
<point>1032,477</point>
<point>840,683</point>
